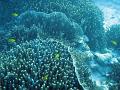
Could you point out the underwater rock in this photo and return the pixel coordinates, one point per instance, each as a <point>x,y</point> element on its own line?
<point>38,64</point>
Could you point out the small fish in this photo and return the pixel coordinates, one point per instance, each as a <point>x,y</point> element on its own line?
<point>114,42</point>
<point>11,40</point>
<point>57,56</point>
<point>44,78</point>
<point>15,14</point>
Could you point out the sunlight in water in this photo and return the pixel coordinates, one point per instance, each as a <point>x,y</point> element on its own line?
<point>110,11</point>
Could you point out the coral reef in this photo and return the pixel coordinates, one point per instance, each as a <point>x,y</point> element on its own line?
<point>83,12</point>
<point>56,25</point>
<point>38,64</point>
<point>45,48</point>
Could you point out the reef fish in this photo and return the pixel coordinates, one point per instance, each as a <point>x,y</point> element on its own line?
<point>15,14</point>
<point>114,42</point>
<point>11,40</point>
<point>44,78</point>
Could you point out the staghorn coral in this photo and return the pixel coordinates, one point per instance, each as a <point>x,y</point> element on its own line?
<point>33,66</point>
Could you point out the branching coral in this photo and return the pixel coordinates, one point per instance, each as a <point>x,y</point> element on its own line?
<point>32,65</point>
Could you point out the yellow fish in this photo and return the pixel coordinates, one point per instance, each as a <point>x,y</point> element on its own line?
<point>114,42</point>
<point>11,40</point>
<point>57,56</point>
<point>45,77</point>
<point>15,14</point>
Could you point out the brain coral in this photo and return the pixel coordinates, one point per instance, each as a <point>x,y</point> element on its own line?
<point>38,64</point>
